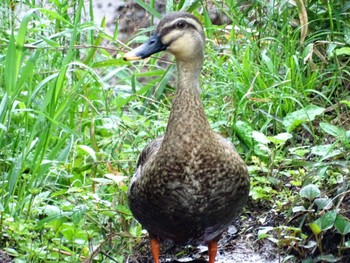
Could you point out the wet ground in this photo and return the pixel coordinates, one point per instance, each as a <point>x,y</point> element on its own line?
<point>236,246</point>
<point>242,244</point>
<point>237,252</point>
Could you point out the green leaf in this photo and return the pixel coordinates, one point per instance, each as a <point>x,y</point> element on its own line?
<point>208,24</point>
<point>263,232</point>
<point>243,131</point>
<point>326,151</point>
<point>260,137</point>
<point>11,251</point>
<point>67,229</point>
<point>343,51</point>
<point>299,208</point>
<point>52,210</point>
<point>315,228</point>
<point>326,258</point>
<point>311,244</point>
<point>148,8</point>
<point>11,68</point>
<point>326,221</point>
<point>280,138</point>
<point>102,180</point>
<point>53,221</point>
<point>78,213</point>
<point>89,151</point>
<point>294,119</point>
<point>190,5</point>
<point>346,102</point>
<point>323,203</point>
<point>333,130</point>
<point>342,225</point>
<point>310,192</point>
<point>268,62</point>
<point>300,151</point>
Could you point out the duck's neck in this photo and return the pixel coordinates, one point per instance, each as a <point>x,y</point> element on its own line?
<point>187,122</point>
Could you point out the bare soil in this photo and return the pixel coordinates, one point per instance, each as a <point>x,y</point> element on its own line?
<point>238,244</point>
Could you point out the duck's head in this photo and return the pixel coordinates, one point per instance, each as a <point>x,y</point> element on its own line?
<point>179,33</point>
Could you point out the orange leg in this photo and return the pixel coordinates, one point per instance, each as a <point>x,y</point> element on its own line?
<point>212,250</point>
<point>155,248</point>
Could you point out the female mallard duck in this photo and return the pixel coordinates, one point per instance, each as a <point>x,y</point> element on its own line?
<point>190,184</point>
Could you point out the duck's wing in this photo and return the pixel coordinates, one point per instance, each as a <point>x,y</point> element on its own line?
<point>148,151</point>
<point>146,154</point>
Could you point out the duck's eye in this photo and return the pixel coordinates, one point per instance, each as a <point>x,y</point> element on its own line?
<point>180,25</point>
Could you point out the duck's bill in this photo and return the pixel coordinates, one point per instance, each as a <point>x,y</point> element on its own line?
<point>151,46</point>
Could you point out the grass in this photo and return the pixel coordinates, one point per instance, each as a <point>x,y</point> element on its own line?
<point>74,116</point>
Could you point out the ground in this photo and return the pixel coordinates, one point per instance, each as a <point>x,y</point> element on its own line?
<point>241,244</point>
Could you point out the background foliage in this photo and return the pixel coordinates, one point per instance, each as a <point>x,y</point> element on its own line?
<point>74,116</point>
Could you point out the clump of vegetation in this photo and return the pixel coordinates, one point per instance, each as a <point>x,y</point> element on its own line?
<point>74,116</point>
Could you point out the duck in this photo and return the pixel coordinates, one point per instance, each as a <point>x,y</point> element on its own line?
<point>190,184</point>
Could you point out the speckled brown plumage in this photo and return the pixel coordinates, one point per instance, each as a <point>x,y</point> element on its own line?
<point>190,184</point>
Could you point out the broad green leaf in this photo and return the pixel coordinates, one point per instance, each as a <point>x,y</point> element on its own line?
<point>244,131</point>
<point>67,229</point>
<point>323,203</point>
<point>326,221</point>
<point>333,130</point>
<point>260,137</point>
<point>326,258</point>
<point>326,151</point>
<point>310,192</point>
<point>300,151</point>
<point>78,213</point>
<point>52,210</point>
<point>135,230</point>
<point>343,51</point>
<point>342,225</point>
<point>294,119</point>
<point>53,221</point>
<point>263,232</point>
<point>310,244</point>
<point>280,138</point>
